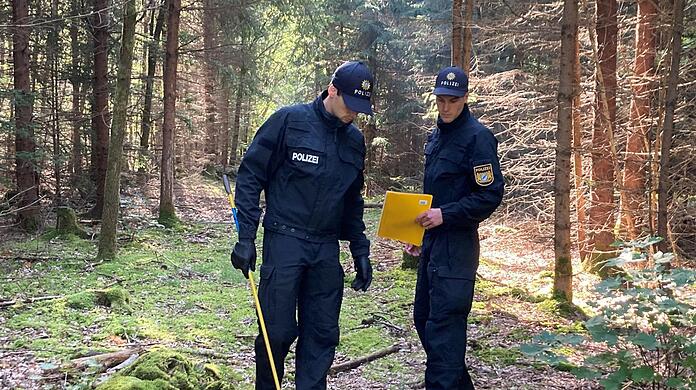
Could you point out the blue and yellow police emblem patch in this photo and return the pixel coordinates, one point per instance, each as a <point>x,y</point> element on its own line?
<point>483,174</point>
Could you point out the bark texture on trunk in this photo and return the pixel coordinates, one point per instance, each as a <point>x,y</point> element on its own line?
<point>167,213</point>
<point>634,191</point>
<point>25,144</point>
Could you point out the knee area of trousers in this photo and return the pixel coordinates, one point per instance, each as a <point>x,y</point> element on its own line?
<point>281,335</point>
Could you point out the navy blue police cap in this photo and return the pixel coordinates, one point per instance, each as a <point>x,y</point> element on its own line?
<point>355,82</point>
<point>451,81</point>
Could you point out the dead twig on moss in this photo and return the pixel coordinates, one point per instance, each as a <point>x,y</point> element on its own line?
<point>351,364</point>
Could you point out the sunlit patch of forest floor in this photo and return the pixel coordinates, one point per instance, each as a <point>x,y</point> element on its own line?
<point>175,287</point>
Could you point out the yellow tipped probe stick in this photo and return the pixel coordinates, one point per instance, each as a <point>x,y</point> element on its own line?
<point>230,199</point>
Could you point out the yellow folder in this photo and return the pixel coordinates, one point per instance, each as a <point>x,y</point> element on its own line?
<point>398,220</point>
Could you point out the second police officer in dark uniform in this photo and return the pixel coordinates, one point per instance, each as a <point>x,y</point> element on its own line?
<point>309,160</point>
<point>462,172</point>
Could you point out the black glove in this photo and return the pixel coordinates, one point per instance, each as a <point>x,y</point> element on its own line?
<point>363,271</point>
<point>244,256</point>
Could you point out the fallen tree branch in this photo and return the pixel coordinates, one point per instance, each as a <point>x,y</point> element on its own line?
<point>351,364</point>
<point>5,304</point>
<point>100,362</point>
<point>25,301</point>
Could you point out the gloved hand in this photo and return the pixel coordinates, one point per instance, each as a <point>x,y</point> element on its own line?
<point>244,256</point>
<point>363,270</point>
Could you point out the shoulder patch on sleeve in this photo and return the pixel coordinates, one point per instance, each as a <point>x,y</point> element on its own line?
<point>483,174</point>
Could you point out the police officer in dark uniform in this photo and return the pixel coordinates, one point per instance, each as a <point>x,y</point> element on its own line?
<point>462,173</point>
<point>308,159</point>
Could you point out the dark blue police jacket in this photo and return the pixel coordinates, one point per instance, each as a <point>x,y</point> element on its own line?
<point>310,166</point>
<point>462,172</point>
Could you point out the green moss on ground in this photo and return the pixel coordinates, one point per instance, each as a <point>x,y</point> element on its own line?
<point>166,369</point>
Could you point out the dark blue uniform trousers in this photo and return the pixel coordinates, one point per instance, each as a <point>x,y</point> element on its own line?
<point>441,307</point>
<point>300,293</point>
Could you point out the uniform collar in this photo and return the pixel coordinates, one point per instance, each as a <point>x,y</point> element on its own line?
<point>328,118</point>
<point>457,123</point>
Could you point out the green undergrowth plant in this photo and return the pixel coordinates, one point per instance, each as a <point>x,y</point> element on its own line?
<point>644,324</point>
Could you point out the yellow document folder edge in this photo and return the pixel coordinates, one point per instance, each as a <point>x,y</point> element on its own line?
<point>398,220</point>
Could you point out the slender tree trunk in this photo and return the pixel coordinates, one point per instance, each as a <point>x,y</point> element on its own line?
<point>100,110</point>
<point>53,59</point>
<point>601,213</point>
<point>25,145</point>
<point>75,165</point>
<point>167,213</point>
<point>563,276</point>
<point>112,199</point>
<point>635,166</point>
<point>225,108</point>
<point>467,35</point>
<point>370,128</point>
<point>577,157</point>
<point>234,150</point>
<point>668,127</point>
<point>152,55</point>
<point>457,34</point>
<point>210,79</point>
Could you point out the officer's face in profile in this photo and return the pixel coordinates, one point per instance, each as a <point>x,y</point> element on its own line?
<point>338,107</point>
<point>449,107</point>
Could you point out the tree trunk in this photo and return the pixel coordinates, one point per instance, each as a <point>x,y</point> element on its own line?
<point>370,128</point>
<point>234,148</point>
<point>167,213</point>
<point>668,127</point>
<point>100,110</point>
<point>53,61</point>
<point>457,34</point>
<point>225,109</point>
<point>563,275</point>
<point>152,55</point>
<point>112,199</point>
<point>370,132</point>
<point>211,141</point>
<point>25,144</point>
<point>75,165</point>
<point>601,212</point>
<point>467,49</point>
<point>577,157</point>
<point>635,167</point>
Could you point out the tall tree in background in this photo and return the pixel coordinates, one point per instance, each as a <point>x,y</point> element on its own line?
<point>53,60</point>
<point>75,164</point>
<point>25,145</point>
<point>635,168</point>
<point>580,203</point>
<point>210,75</point>
<point>563,275</point>
<point>668,127</point>
<point>153,53</point>
<point>167,212</point>
<point>100,108</point>
<point>462,17</point>
<point>467,35</point>
<point>601,212</point>
<point>457,35</point>
<point>112,198</point>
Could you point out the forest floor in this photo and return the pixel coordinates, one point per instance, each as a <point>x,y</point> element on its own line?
<point>184,294</point>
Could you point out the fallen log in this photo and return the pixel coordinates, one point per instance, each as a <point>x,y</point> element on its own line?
<point>26,301</point>
<point>351,364</point>
<point>29,300</point>
<point>104,360</point>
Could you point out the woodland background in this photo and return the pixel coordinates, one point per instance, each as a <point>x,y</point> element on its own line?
<point>119,109</point>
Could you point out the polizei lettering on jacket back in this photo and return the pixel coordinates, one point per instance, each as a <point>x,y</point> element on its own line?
<point>304,157</point>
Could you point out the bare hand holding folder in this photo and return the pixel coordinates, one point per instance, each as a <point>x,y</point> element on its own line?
<point>398,220</point>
